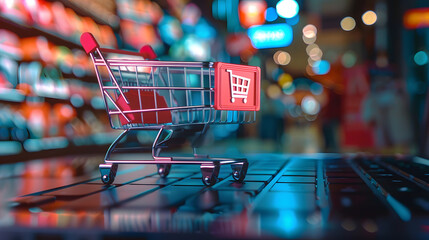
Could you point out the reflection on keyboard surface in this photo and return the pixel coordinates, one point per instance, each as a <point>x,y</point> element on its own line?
<point>282,196</point>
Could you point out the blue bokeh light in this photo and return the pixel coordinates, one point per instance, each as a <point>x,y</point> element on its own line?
<point>321,67</point>
<point>421,58</point>
<point>316,88</point>
<point>204,30</point>
<point>287,8</point>
<point>293,21</point>
<point>170,29</point>
<point>271,14</point>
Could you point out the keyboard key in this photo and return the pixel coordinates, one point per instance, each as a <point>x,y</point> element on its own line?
<point>341,175</point>
<point>218,201</point>
<point>31,201</point>
<point>261,172</point>
<point>356,206</point>
<point>203,201</point>
<point>189,182</point>
<point>78,190</point>
<point>254,178</point>
<point>349,188</point>
<point>275,201</point>
<point>345,180</point>
<point>237,186</point>
<point>299,173</point>
<point>156,181</point>
<point>171,196</point>
<point>180,174</point>
<point>108,198</point>
<point>293,187</point>
<point>295,179</point>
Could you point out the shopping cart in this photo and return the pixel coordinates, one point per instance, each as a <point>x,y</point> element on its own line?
<point>239,86</point>
<point>174,98</point>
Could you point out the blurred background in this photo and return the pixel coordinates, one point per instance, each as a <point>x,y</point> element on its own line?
<point>337,75</point>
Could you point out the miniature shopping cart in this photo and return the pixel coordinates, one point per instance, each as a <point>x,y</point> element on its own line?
<point>239,87</point>
<point>173,98</point>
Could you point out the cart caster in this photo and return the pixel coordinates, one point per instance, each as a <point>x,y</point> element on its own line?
<point>210,174</point>
<point>108,172</point>
<point>163,169</point>
<point>239,171</point>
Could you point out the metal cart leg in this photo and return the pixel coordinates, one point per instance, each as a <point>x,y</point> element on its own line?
<point>108,172</point>
<point>164,168</point>
<point>113,145</point>
<point>210,173</point>
<point>239,170</point>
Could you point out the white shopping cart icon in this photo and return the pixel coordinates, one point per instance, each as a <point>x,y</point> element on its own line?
<point>239,86</point>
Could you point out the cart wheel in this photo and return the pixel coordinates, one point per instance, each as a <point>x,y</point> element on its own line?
<point>210,174</point>
<point>232,100</point>
<point>239,171</point>
<point>163,169</point>
<point>244,100</point>
<point>108,173</point>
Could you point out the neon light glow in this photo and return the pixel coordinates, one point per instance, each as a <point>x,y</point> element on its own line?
<point>270,36</point>
<point>287,8</point>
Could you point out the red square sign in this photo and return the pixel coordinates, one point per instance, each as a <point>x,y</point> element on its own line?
<point>237,87</point>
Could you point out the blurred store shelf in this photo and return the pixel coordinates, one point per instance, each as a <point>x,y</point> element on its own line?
<point>11,95</point>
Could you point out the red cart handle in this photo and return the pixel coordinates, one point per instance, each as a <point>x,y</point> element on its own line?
<point>147,52</point>
<point>88,42</point>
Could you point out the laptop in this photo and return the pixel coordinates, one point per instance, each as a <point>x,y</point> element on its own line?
<point>283,196</point>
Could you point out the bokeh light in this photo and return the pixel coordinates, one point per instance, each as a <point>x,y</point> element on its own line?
<point>204,30</point>
<point>293,21</point>
<point>321,67</point>
<point>290,89</point>
<point>310,105</point>
<point>348,23</point>
<point>271,14</point>
<point>287,8</point>
<point>310,47</point>
<point>369,17</point>
<point>315,54</point>
<point>170,29</point>
<point>316,88</point>
<point>421,58</point>
<point>251,12</point>
<point>311,62</point>
<point>309,31</point>
<point>349,59</point>
<point>273,91</point>
<point>191,14</point>
<point>282,58</point>
<point>285,80</point>
<point>309,40</point>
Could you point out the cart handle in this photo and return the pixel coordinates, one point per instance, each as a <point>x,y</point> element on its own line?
<point>88,42</point>
<point>90,45</point>
<point>147,52</point>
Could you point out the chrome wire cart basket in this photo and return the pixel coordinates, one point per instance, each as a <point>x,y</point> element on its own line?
<point>141,93</point>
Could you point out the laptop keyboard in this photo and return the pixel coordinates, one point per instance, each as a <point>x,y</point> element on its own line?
<point>281,196</point>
